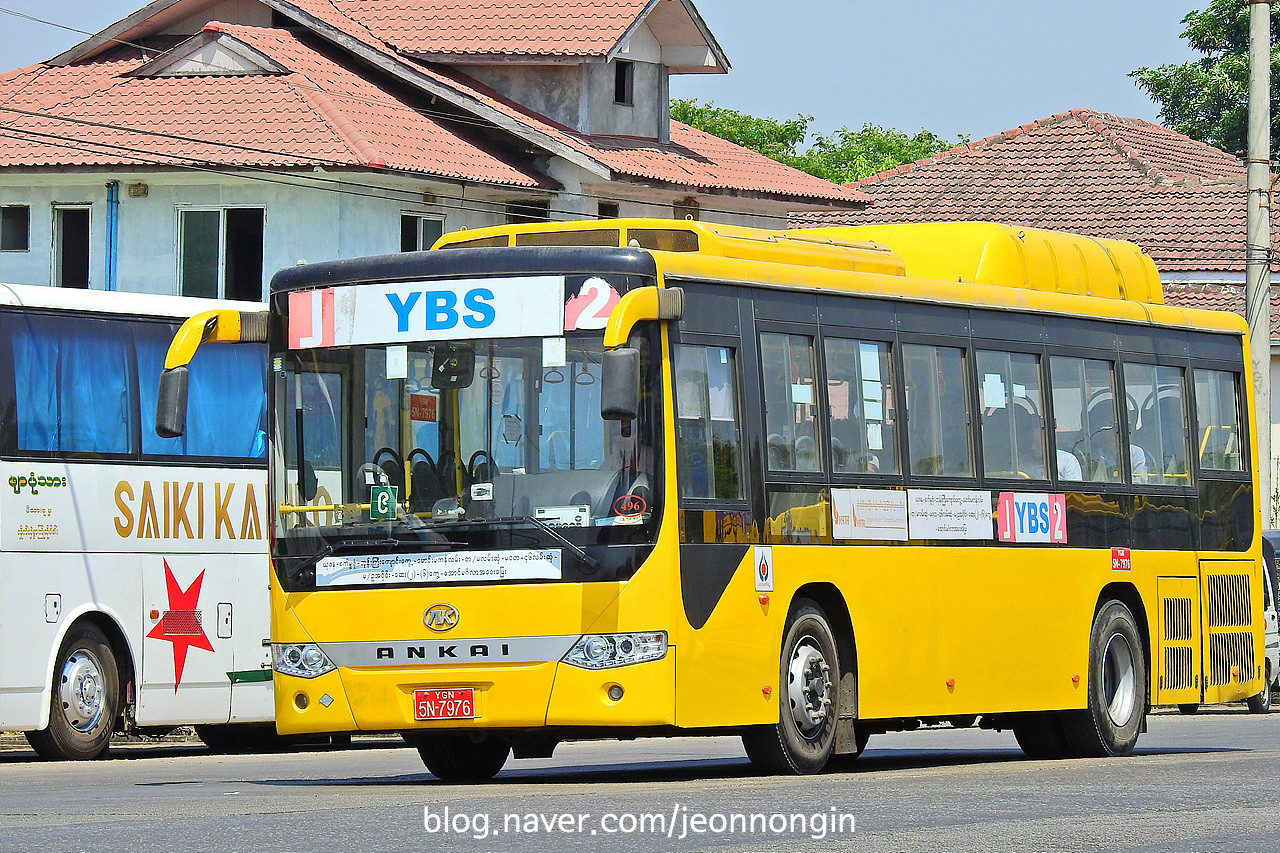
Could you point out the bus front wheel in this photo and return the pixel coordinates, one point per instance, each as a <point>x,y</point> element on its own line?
<point>1117,687</point>
<point>86,699</point>
<point>805,734</point>
<point>458,758</point>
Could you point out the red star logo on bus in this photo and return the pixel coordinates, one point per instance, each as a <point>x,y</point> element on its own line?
<point>180,624</point>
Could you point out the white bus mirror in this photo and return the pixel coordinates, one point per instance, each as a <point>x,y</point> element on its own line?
<point>171,403</point>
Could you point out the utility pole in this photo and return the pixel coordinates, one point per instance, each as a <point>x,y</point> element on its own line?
<point>1258,241</point>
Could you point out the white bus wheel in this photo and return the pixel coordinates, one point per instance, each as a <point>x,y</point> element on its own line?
<point>86,698</point>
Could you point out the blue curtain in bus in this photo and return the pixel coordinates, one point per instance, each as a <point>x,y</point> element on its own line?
<point>73,379</point>
<point>226,399</point>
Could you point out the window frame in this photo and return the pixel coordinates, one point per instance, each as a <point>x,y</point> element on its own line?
<point>420,220</point>
<point>967,346</point>
<point>893,397</point>
<point>1190,486</point>
<point>222,247</point>
<point>57,243</point>
<point>1246,447</point>
<point>26,247</point>
<point>736,351</point>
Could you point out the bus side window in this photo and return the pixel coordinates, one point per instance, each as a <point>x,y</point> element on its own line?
<point>1084,411</point>
<point>938,416</point>
<point>708,441</point>
<point>860,410</point>
<point>76,387</point>
<point>790,402</point>
<point>1013,440</point>
<point>1218,420</point>
<point>1158,422</point>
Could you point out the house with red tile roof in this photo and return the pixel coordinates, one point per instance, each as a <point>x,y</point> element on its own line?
<point>198,145</point>
<point>1181,200</point>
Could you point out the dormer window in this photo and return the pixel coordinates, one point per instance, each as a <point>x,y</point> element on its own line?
<point>211,53</point>
<point>624,77</point>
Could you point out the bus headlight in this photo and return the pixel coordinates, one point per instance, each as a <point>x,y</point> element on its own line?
<point>305,660</point>
<point>605,651</point>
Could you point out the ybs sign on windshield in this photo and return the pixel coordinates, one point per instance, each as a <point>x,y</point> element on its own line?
<point>403,312</point>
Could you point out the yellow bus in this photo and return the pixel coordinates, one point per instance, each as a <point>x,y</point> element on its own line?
<point>649,478</point>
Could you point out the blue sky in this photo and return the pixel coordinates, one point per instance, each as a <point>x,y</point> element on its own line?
<point>975,67</point>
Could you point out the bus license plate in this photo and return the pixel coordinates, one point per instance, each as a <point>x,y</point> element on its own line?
<point>457,703</point>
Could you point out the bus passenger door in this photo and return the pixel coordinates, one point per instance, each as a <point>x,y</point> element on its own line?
<point>1177,660</point>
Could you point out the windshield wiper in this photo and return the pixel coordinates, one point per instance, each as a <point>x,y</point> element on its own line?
<point>513,520</point>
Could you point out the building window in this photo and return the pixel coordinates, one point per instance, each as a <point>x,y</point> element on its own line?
<point>624,77</point>
<point>608,210</point>
<point>15,228</point>
<point>71,246</point>
<point>520,212</point>
<point>419,233</point>
<point>220,253</point>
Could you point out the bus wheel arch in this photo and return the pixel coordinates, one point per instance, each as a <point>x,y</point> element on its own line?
<point>90,672</point>
<point>816,670</point>
<point>1116,705</point>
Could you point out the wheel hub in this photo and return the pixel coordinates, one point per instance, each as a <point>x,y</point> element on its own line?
<point>1119,682</point>
<point>809,686</point>
<point>82,691</point>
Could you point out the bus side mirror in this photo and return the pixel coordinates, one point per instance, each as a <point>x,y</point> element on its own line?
<point>171,403</point>
<point>620,384</point>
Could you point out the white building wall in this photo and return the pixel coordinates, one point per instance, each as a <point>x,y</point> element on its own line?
<point>301,222</point>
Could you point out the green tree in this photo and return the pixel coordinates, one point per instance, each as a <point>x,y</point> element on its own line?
<point>1207,98</point>
<point>844,156</point>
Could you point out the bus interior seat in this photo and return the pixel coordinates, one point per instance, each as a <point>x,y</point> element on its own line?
<point>806,454</point>
<point>779,453</point>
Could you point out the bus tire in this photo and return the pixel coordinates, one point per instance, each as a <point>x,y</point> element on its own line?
<point>1189,708</point>
<point>86,699</point>
<point>1040,735</point>
<point>1117,687</point>
<point>241,738</point>
<point>458,758</point>
<point>808,703</point>
<point>1261,704</point>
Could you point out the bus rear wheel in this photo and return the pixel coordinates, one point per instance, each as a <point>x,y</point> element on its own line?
<point>1261,704</point>
<point>458,758</point>
<point>1117,687</point>
<point>803,739</point>
<point>86,699</point>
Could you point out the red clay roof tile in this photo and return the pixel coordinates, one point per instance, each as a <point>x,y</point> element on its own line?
<point>1181,200</point>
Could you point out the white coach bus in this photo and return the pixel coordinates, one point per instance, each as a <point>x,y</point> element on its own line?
<point>133,570</point>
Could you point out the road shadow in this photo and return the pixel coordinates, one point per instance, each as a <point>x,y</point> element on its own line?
<point>702,769</point>
<point>139,750</point>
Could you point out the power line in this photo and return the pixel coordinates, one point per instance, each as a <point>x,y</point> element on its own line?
<point>158,158</point>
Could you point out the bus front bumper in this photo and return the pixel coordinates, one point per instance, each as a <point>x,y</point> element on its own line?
<point>504,696</point>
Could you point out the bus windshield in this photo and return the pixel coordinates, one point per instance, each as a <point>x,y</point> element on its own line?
<point>457,461</point>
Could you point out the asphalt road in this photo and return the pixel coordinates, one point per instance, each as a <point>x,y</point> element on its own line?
<point>1204,783</point>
